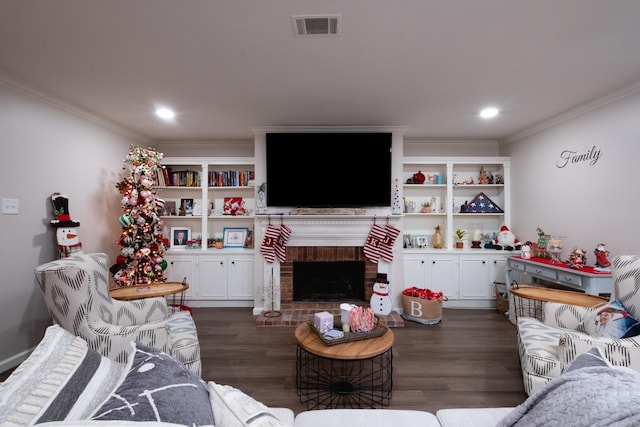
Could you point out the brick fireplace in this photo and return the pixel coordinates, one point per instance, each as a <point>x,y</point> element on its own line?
<point>321,238</point>
<point>322,254</point>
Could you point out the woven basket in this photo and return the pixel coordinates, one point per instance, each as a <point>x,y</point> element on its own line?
<point>502,301</point>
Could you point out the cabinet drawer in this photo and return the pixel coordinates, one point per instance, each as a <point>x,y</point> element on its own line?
<point>516,265</point>
<point>570,279</point>
<point>541,272</point>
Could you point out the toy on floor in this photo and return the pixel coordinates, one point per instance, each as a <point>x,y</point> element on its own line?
<point>66,234</point>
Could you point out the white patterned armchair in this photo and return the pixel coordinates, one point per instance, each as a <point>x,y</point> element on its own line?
<point>549,345</point>
<point>76,291</point>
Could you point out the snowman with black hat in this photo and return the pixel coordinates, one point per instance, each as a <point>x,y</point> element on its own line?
<point>68,240</point>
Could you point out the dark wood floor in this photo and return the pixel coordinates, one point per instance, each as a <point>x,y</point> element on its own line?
<point>470,359</point>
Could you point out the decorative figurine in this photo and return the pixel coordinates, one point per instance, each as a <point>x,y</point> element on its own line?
<point>577,259</point>
<point>66,233</point>
<point>380,299</point>
<point>601,253</point>
<point>525,250</point>
<point>506,240</point>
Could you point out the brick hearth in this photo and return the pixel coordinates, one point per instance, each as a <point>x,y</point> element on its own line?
<point>293,312</point>
<point>294,316</point>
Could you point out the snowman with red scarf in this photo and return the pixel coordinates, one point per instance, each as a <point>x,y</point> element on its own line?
<point>380,301</point>
<point>66,234</point>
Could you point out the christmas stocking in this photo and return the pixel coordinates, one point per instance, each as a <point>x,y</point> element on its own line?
<point>281,243</point>
<point>386,245</point>
<point>372,245</point>
<point>267,248</point>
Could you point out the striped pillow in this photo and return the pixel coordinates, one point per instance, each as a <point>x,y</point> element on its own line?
<point>62,379</point>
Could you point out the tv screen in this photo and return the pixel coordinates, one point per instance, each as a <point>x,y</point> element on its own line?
<point>325,170</point>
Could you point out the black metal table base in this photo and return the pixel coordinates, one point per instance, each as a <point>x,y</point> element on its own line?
<point>325,383</point>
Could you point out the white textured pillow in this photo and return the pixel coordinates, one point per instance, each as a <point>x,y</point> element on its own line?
<point>233,408</point>
<point>62,379</point>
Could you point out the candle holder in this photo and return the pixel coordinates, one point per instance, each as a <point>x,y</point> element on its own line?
<point>476,236</point>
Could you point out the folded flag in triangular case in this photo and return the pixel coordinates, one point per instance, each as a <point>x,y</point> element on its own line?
<point>483,204</point>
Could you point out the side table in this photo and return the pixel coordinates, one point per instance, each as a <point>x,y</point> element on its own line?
<point>150,290</point>
<point>528,300</point>
<point>356,374</point>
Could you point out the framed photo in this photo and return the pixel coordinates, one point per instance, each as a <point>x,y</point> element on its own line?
<point>186,207</point>
<point>234,237</point>
<point>248,242</point>
<point>169,208</point>
<point>179,237</point>
<point>422,242</point>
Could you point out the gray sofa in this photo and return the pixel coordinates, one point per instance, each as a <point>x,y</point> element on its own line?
<point>65,383</point>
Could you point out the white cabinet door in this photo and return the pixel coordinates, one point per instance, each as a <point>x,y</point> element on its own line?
<point>180,268</point>
<point>240,278</point>
<point>415,271</point>
<point>474,278</point>
<point>441,275</point>
<point>498,270</point>
<point>213,277</point>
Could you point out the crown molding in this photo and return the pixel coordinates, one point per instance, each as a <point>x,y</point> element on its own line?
<point>573,113</point>
<point>25,89</point>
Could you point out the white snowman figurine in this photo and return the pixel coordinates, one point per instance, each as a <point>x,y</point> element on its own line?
<point>380,299</point>
<point>66,234</point>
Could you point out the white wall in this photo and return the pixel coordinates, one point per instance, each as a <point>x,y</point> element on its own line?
<point>46,150</point>
<point>588,202</point>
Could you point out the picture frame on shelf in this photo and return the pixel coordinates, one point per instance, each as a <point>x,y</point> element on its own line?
<point>169,208</point>
<point>422,242</point>
<point>234,237</point>
<point>186,207</point>
<point>248,242</point>
<point>180,237</point>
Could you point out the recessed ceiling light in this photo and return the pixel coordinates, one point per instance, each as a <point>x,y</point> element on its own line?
<point>165,113</point>
<point>489,112</point>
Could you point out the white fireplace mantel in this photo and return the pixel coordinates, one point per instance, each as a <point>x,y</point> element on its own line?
<point>327,230</point>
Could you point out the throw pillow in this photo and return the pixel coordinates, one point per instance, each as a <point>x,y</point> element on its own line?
<point>593,357</point>
<point>233,408</point>
<point>62,379</point>
<point>611,320</point>
<point>158,388</point>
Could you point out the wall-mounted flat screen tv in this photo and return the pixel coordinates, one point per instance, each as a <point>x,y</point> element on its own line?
<point>325,170</point>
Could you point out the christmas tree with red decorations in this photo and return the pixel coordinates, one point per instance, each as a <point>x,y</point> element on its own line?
<point>141,259</point>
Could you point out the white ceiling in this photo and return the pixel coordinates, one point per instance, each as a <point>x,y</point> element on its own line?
<point>227,66</point>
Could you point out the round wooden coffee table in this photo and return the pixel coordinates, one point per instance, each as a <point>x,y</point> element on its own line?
<point>355,374</point>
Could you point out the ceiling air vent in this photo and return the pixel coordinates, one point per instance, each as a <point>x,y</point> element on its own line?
<point>316,25</point>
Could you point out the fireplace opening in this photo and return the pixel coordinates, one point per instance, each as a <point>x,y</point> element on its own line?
<point>328,281</point>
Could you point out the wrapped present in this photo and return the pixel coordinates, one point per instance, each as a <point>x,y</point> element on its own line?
<point>323,321</point>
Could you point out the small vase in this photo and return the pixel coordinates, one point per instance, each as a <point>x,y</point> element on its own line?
<point>437,241</point>
<point>459,245</point>
<point>218,245</point>
<point>426,209</point>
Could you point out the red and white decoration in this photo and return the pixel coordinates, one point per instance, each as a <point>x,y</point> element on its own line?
<point>281,243</point>
<point>274,243</point>
<point>372,245</point>
<point>267,248</point>
<point>380,242</point>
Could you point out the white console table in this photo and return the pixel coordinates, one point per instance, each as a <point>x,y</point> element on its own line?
<point>588,280</point>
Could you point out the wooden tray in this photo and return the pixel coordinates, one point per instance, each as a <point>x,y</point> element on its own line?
<point>378,331</point>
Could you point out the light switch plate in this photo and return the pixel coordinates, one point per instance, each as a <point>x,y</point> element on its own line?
<point>10,206</point>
